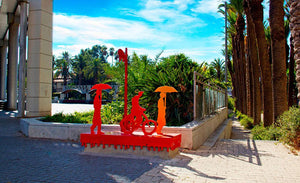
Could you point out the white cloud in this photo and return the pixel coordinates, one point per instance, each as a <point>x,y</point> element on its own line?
<point>208,7</point>
<point>169,13</point>
<point>82,28</point>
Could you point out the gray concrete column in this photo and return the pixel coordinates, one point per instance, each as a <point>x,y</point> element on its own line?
<point>39,64</point>
<point>3,69</point>
<point>22,58</point>
<point>12,62</point>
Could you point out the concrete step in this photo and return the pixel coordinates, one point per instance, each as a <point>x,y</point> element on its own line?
<point>222,132</point>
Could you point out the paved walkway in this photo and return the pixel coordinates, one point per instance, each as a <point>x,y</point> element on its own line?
<point>71,108</point>
<point>38,160</point>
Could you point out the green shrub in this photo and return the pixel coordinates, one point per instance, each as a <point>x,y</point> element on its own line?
<point>231,103</point>
<point>259,132</point>
<point>112,113</point>
<point>65,118</point>
<point>246,121</point>
<point>289,122</point>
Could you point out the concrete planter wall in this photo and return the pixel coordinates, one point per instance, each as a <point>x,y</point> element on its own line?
<point>193,134</point>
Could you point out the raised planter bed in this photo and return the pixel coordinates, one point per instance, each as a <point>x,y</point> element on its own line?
<point>194,134</point>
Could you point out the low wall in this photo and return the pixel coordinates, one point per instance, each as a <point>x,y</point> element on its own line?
<point>193,134</point>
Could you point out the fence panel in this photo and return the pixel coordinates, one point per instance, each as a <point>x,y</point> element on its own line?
<point>207,97</point>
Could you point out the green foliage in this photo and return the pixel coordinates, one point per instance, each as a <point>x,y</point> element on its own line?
<point>287,129</point>
<point>289,122</point>
<point>147,75</point>
<point>176,71</point>
<point>259,132</point>
<point>84,117</point>
<point>247,122</point>
<point>231,103</point>
<point>112,113</point>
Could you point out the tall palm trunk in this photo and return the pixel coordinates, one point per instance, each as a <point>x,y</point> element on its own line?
<point>278,50</point>
<point>237,88</point>
<point>295,26</point>
<point>253,58</point>
<point>240,27</point>
<point>292,78</point>
<point>256,11</point>
<point>249,75</point>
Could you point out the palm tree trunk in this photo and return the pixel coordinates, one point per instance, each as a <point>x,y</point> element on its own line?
<point>240,27</point>
<point>292,93</point>
<point>253,58</point>
<point>295,27</point>
<point>249,84</point>
<point>232,74</point>
<point>238,94</point>
<point>65,80</point>
<point>278,51</point>
<point>256,11</point>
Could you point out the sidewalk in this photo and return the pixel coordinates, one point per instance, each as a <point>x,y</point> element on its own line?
<point>39,160</point>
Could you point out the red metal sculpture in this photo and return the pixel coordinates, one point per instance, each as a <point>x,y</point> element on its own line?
<point>124,57</point>
<point>137,119</point>
<point>97,106</point>
<point>131,122</point>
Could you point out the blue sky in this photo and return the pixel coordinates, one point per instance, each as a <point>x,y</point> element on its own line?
<point>192,27</point>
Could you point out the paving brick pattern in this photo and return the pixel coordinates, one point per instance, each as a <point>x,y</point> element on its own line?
<point>230,161</point>
<point>37,160</point>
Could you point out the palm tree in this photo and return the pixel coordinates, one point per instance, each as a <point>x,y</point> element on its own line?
<point>111,53</point>
<point>253,60</point>
<point>63,67</point>
<point>235,30</point>
<point>278,51</point>
<point>79,64</point>
<point>218,65</point>
<point>294,24</point>
<point>104,54</point>
<point>256,12</point>
<point>94,71</point>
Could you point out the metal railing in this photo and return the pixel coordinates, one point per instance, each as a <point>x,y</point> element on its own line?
<point>208,98</point>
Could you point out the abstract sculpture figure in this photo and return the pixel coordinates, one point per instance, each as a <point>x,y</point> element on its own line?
<point>137,119</point>
<point>97,106</point>
<point>162,105</point>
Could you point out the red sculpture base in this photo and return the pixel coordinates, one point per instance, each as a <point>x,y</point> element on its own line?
<point>137,139</point>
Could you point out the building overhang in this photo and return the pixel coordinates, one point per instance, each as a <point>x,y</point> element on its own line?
<point>7,7</point>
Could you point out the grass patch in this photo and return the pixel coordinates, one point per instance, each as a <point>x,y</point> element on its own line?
<point>77,117</point>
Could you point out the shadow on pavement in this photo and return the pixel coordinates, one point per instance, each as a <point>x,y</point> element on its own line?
<point>40,160</point>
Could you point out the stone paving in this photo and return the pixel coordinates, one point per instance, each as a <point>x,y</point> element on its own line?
<point>39,160</point>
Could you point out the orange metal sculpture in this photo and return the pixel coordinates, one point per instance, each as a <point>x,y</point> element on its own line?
<point>97,106</point>
<point>162,105</point>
